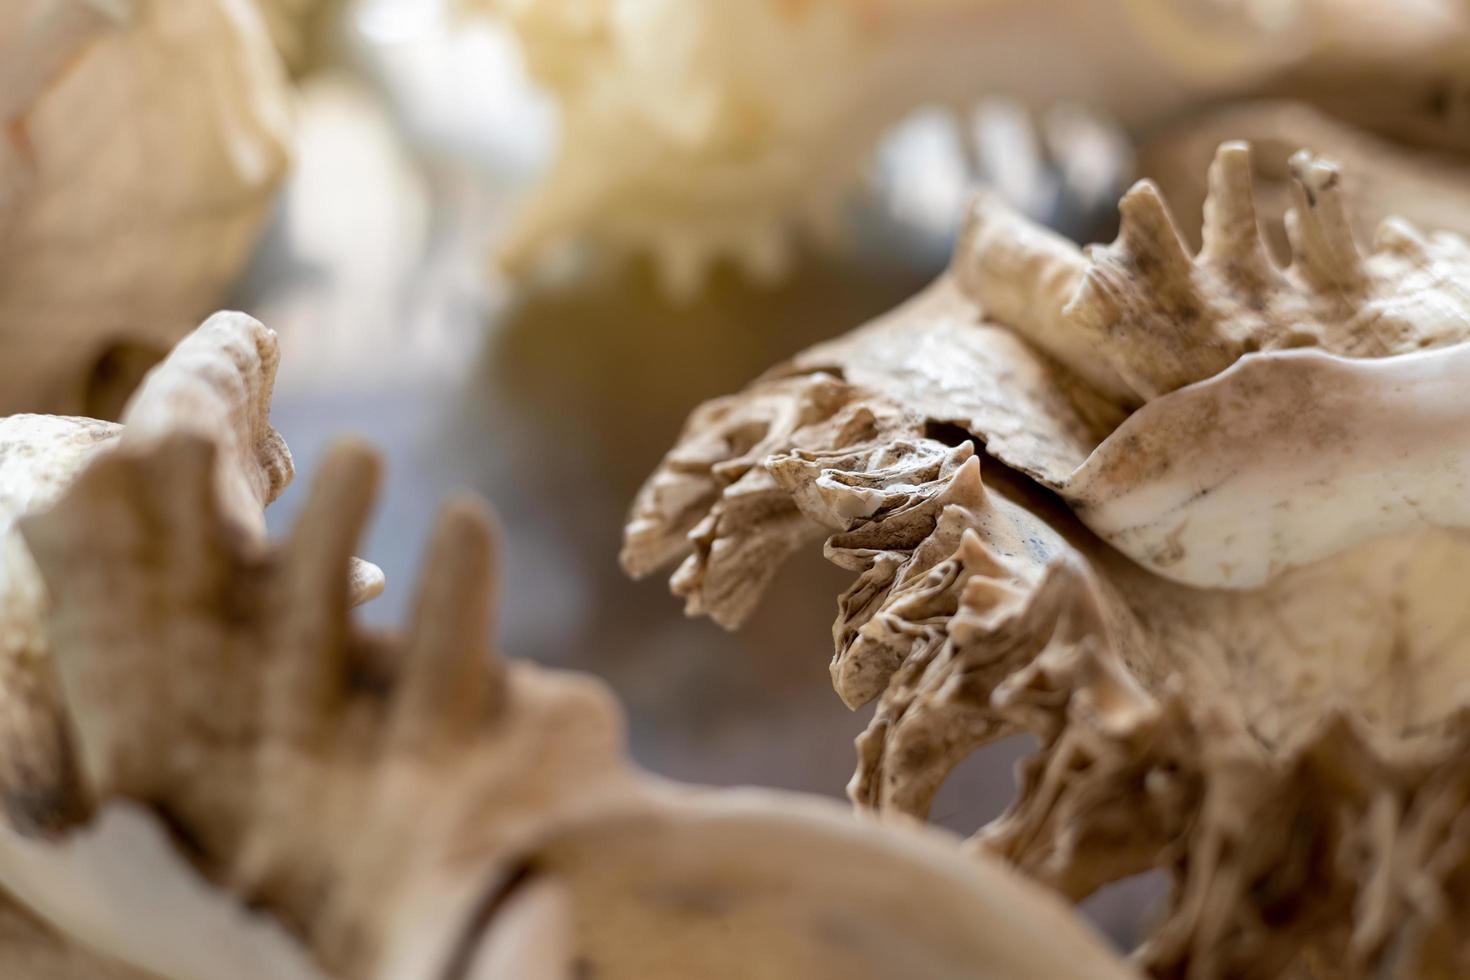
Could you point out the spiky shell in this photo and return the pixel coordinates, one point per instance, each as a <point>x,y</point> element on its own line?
<point>266,789</point>
<point>1110,499</point>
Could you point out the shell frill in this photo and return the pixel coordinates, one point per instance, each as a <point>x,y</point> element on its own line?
<point>1292,749</point>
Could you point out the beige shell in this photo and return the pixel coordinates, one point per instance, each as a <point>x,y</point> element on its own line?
<point>264,789</point>
<point>216,383</point>
<point>141,145</point>
<point>1290,747</point>
<point>698,130</point>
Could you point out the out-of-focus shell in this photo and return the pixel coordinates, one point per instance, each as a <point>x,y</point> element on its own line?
<point>216,383</point>
<point>1290,747</point>
<point>701,130</point>
<point>414,806</point>
<point>698,130</point>
<point>142,141</point>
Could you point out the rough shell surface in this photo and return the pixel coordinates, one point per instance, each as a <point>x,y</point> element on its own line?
<point>216,384</point>
<point>1158,509</point>
<point>270,790</point>
<point>1428,187</point>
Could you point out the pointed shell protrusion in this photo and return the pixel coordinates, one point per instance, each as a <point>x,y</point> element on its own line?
<point>392,802</point>
<point>1236,625</point>
<point>1320,235</point>
<point>455,681</point>
<point>1232,233</point>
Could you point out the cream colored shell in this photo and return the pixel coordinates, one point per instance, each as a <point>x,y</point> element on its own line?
<point>699,130</point>
<point>262,788</point>
<point>1195,521</point>
<point>217,383</point>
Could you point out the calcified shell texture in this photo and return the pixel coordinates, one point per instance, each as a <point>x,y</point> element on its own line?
<point>308,799</point>
<point>1194,520</point>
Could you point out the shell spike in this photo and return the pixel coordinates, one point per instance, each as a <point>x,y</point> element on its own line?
<point>1321,238</point>
<point>1149,234</point>
<point>452,679</point>
<point>1231,234</point>
<point>967,487</point>
<point>317,587</point>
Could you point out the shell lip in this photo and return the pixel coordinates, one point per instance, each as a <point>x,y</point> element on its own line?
<point>1154,470</point>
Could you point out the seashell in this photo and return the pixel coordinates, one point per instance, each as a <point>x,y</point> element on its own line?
<point>1195,521</point>
<point>412,806</point>
<point>216,384</point>
<point>143,141</point>
<point>699,131</point>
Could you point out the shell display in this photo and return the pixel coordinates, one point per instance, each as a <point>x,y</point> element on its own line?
<point>697,130</point>
<point>143,141</point>
<point>1196,521</point>
<point>262,788</point>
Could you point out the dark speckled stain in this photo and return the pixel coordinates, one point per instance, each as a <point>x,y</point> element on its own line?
<point>1140,262</point>
<point>916,756</point>
<point>1185,309</point>
<point>1130,463</point>
<point>1173,550</point>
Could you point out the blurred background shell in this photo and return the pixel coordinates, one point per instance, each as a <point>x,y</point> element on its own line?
<point>143,143</point>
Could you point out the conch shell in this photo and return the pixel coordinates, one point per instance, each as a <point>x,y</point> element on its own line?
<point>698,130</point>
<point>408,806</point>
<point>142,143</point>
<point>1196,521</point>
